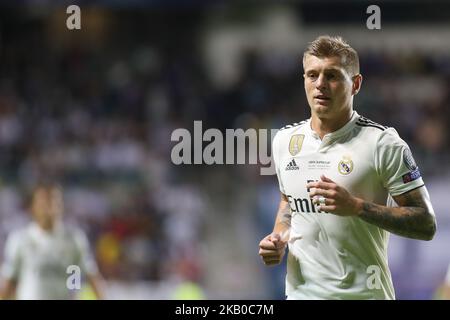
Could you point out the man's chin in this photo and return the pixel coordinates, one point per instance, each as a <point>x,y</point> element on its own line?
<point>322,110</point>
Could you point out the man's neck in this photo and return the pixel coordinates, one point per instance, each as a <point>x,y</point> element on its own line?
<point>323,126</point>
<point>47,227</point>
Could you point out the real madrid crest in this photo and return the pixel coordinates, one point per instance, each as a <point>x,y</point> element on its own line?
<point>295,145</point>
<point>345,166</point>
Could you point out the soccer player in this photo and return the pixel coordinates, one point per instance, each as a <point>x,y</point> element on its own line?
<point>38,256</point>
<point>346,182</point>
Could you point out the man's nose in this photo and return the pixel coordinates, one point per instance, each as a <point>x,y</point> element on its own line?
<point>321,82</point>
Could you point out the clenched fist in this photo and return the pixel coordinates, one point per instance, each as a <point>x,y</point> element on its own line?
<point>272,249</point>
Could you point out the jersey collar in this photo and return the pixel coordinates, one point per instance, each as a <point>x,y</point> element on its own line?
<point>36,229</point>
<point>347,127</point>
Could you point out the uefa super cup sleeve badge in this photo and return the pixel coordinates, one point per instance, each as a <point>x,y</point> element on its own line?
<point>408,159</point>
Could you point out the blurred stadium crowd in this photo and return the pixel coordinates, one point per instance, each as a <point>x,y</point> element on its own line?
<point>95,111</point>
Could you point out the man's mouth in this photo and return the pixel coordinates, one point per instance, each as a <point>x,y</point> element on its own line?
<point>321,97</point>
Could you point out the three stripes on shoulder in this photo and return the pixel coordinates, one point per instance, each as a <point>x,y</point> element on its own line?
<point>364,122</point>
<point>295,124</point>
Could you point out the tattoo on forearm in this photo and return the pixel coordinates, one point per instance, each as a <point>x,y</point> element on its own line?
<point>413,219</point>
<point>285,215</point>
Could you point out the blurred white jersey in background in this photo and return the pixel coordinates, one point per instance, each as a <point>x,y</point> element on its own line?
<point>38,261</point>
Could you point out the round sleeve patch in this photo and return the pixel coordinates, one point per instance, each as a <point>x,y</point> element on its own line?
<point>408,159</point>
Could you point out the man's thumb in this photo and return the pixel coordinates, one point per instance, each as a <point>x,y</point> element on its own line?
<point>275,237</point>
<point>325,178</point>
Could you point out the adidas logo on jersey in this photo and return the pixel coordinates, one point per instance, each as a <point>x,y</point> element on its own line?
<point>292,166</point>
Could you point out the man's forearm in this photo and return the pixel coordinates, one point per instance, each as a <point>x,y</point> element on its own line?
<point>283,220</point>
<point>411,222</point>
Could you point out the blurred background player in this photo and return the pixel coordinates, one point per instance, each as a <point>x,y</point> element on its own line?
<point>37,256</point>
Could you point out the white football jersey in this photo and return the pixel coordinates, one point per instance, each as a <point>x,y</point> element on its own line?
<point>334,257</point>
<point>38,261</point>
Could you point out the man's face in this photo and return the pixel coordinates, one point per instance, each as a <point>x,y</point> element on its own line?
<point>47,206</point>
<point>329,87</point>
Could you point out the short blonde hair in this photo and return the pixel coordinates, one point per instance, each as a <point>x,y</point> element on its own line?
<point>328,46</point>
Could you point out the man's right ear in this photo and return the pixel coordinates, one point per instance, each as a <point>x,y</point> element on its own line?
<point>357,81</point>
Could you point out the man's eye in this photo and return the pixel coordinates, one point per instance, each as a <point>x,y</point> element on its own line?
<point>312,76</point>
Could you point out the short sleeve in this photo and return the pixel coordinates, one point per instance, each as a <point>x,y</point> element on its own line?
<point>395,164</point>
<point>276,159</point>
<point>12,257</point>
<point>86,260</point>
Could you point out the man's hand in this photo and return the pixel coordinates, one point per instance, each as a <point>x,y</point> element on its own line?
<point>272,249</point>
<point>414,218</point>
<point>333,198</point>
